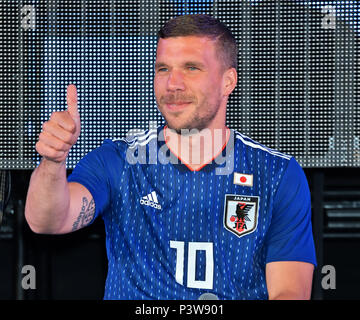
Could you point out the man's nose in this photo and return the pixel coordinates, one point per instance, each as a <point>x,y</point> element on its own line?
<point>175,81</point>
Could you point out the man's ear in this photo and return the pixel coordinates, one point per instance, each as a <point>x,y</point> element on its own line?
<point>229,81</point>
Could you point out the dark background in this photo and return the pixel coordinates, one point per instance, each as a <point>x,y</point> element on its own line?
<point>298,92</point>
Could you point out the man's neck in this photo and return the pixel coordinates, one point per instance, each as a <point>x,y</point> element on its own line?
<point>197,148</point>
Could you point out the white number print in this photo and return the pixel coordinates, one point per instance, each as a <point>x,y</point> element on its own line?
<point>193,248</point>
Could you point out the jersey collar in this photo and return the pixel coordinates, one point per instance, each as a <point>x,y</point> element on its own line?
<point>218,161</point>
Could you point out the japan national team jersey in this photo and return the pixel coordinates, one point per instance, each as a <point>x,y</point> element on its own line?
<point>174,233</point>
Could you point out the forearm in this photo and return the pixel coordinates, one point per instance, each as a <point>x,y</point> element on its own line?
<point>48,197</point>
<point>291,295</point>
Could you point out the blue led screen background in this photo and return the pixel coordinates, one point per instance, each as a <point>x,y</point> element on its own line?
<point>298,88</point>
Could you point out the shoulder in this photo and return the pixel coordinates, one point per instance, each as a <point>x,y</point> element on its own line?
<point>121,150</point>
<point>108,150</point>
<point>275,168</point>
<point>252,145</point>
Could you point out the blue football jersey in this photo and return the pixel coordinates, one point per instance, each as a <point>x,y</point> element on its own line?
<point>174,233</point>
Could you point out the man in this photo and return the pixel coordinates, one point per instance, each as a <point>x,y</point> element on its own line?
<point>182,228</point>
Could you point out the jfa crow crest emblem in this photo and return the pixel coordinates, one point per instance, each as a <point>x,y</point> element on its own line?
<point>241,214</point>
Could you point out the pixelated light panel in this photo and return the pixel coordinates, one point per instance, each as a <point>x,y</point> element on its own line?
<point>298,73</point>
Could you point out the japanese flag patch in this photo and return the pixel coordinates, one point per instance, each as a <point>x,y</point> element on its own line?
<point>243,179</point>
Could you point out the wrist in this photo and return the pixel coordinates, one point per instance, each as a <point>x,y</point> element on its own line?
<point>52,167</point>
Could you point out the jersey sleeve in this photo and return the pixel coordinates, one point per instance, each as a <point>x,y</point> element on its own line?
<point>93,171</point>
<point>290,235</point>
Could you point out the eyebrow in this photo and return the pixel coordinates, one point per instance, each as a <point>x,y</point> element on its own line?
<point>186,64</point>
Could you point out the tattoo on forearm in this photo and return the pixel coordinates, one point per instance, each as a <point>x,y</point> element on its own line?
<point>86,214</point>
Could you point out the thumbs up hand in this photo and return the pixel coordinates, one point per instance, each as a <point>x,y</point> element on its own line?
<point>62,130</point>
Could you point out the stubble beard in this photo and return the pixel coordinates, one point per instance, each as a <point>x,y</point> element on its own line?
<point>197,121</point>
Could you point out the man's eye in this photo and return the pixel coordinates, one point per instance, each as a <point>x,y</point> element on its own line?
<point>162,70</point>
<point>192,68</point>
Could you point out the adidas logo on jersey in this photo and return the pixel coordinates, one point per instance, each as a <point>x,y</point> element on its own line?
<point>151,200</point>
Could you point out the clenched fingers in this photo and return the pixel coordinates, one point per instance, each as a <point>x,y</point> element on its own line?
<point>59,132</point>
<point>54,142</point>
<point>50,153</point>
<point>64,120</point>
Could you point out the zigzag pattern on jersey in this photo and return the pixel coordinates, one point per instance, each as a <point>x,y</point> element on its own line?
<point>251,143</point>
<point>142,138</point>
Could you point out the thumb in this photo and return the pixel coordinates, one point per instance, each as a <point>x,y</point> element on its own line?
<point>71,100</point>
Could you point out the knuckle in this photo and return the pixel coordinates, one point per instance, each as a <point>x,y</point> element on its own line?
<point>57,117</point>
<point>72,126</point>
<point>54,115</point>
<point>43,135</point>
<point>45,125</point>
<point>63,146</point>
<point>52,154</point>
<point>70,138</point>
<point>38,146</point>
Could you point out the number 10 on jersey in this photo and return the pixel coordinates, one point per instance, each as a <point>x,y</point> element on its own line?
<point>193,249</point>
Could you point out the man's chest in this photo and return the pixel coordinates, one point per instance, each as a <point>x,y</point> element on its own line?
<point>198,205</point>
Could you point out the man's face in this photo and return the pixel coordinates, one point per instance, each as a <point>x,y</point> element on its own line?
<point>188,81</point>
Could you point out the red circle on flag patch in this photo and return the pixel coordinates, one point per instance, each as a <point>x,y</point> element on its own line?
<point>243,179</point>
